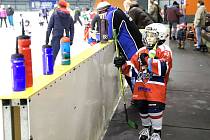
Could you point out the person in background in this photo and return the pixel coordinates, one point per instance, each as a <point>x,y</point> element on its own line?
<point>60,21</point>
<point>95,23</point>
<point>41,19</point>
<point>10,13</point>
<point>137,13</point>
<point>199,22</point>
<point>165,20</point>
<point>153,10</point>
<point>77,14</point>
<point>129,38</point>
<point>45,13</point>
<point>173,14</point>
<point>3,15</point>
<point>86,15</point>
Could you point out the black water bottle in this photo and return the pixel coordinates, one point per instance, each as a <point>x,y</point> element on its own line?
<point>103,30</point>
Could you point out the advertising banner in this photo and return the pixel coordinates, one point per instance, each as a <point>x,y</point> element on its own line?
<point>40,4</point>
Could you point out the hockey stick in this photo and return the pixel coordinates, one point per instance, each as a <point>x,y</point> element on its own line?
<point>130,123</point>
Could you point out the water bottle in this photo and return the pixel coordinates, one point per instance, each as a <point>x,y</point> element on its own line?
<point>104,30</point>
<point>24,43</point>
<point>65,51</point>
<point>18,72</point>
<point>97,37</point>
<point>47,59</point>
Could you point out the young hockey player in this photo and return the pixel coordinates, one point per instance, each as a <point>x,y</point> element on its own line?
<point>182,29</point>
<point>150,66</point>
<point>181,35</point>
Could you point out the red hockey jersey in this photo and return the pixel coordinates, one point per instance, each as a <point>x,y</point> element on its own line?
<point>150,82</point>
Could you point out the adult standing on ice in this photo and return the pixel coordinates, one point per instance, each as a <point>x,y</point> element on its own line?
<point>60,22</point>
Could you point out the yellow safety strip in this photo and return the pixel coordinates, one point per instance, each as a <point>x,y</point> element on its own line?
<point>43,81</point>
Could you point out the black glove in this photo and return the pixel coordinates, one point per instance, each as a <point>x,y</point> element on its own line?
<point>70,42</point>
<point>143,58</point>
<point>119,61</point>
<point>47,38</point>
<point>67,32</point>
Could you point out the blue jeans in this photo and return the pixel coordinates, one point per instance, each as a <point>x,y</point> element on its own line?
<point>10,18</point>
<point>174,26</point>
<point>198,36</point>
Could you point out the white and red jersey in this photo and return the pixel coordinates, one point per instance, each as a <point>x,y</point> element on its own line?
<point>150,84</point>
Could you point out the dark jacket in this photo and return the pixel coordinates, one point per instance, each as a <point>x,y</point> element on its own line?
<point>60,20</point>
<point>10,11</point>
<point>139,16</point>
<point>77,13</point>
<point>45,12</point>
<point>173,14</point>
<point>94,22</point>
<point>129,38</point>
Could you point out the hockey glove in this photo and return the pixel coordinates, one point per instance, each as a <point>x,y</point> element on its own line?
<point>143,58</point>
<point>119,61</point>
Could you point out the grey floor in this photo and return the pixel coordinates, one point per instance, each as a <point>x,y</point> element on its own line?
<point>187,114</point>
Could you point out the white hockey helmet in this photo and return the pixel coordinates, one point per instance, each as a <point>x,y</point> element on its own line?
<point>102,7</point>
<point>159,29</point>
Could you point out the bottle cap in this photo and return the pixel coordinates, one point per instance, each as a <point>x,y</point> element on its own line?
<point>24,37</point>
<point>46,46</point>
<point>14,56</point>
<point>65,39</point>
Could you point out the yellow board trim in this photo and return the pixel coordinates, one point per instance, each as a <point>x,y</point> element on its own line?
<point>43,81</point>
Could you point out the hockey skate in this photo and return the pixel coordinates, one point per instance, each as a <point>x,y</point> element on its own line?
<point>155,136</point>
<point>144,134</point>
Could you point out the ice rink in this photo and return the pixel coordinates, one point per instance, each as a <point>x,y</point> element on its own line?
<point>7,47</point>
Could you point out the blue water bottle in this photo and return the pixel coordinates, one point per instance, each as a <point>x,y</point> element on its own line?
<point>47,59</point>
<point>18,71</point>
<point>97,37</point>
<point>65,51</point>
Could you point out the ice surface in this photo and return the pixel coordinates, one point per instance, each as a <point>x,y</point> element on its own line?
<point>7,47</point>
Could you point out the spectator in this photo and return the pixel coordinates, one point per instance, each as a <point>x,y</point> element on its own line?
<point>41,19</point>
<point>86,15</point>
<point>77,14</point>
<point>45,12</point>
<point>3,15</point>
<point>153,10</point>
<point>60,21</point>
<point>10,13</point>
<point>199,22</point>
<point>165,20</point>
<point>173,14</point>
<point>95,23</point>
<point>137,13</point>
<point>159,17</point>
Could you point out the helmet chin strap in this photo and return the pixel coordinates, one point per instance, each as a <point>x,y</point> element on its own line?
<point>152,47</point>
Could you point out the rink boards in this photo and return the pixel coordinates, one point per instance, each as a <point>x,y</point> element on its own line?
<point>74,103</point>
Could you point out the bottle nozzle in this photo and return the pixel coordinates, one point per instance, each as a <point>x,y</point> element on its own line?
<point>23,30</point>
<point>17,52</point>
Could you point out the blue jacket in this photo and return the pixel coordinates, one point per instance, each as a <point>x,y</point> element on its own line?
<point>61,21</point>
<point>128,35</point>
